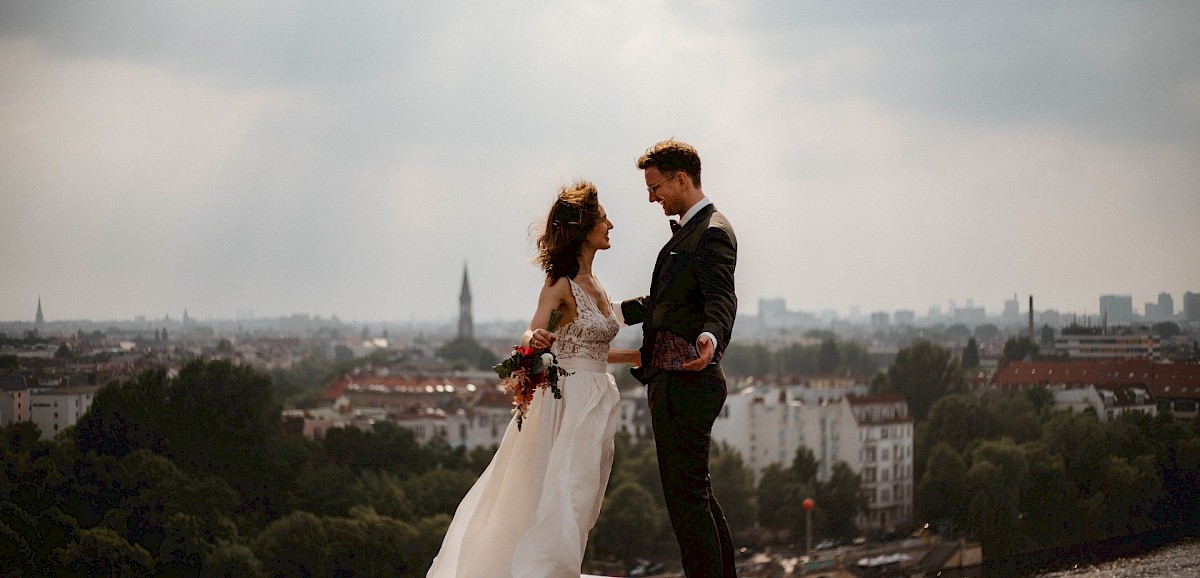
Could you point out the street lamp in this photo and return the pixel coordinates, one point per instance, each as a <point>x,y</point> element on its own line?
<point>808,504</point>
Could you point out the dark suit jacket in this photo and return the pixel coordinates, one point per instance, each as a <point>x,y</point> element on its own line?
<point>692,288</point>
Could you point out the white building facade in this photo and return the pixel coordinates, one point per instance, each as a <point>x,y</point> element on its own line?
<point>14,399</point>
<point>873,435</point>
<point>55,409</point>
<point>883,440</point>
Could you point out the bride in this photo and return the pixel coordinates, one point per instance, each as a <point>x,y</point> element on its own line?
<point>529,513</point>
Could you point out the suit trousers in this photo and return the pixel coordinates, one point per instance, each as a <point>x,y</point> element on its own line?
<point>683,407</point>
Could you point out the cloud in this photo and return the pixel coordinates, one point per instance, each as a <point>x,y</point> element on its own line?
<point>349,159</point>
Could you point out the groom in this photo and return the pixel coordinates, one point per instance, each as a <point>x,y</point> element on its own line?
<point>686,322</point>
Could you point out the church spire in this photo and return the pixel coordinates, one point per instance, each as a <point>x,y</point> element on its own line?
<point>39,320</point>
<point>466,325</point>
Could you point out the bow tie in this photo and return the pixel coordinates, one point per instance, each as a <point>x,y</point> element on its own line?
<point>674,226</point>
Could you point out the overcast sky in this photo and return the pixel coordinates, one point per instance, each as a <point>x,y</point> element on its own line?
<point>349,158</point>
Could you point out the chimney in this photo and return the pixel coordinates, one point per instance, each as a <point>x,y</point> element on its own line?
<point>1031,318</point>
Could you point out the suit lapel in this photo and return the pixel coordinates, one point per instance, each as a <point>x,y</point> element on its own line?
<point>689,228</point>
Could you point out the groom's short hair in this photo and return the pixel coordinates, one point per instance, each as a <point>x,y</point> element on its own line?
<point>672,156</point>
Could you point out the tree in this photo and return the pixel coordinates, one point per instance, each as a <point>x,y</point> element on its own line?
<point>628,521</point>
<point>1047,337</point>
<point>126,416</point>
<point>438,491</point>
<point>294,545</point>
<point>367,544</point>
<point>855,356</point>
<point>103,552</point>
<point>970,356</point>
<point>152,490</point>
<point>216,411</point>
<point>480,457</point>
<point>998,470</point>
<point>20,437</point>
<point>187,543</point>
<point>828,359</point>
<point>312,374</point>
<point>804,465</point>
<point>733,484</point>
<point>1017,349</point>
<point>322,490</point>
<point>780,493</point>
<point>1131,487</point>
<point>922,373</point>
<point>232,559</point>
<point>430,533</point>
<point>17,529</point>
<point>958,332</point>
<point>840,501</point>
<point>1166,329</point>
<point>941,492</point>
<point>465,349</point>
<point>382,492</point>
<point>1017,418</point>
<point>987,332</point>
<point>959,420</point>
<point>1047,497</point>
<point>386,447</point>
<point>1039,397</point>
<point>637,464</point>
<point>1080,440</point>
<point>742,359</point>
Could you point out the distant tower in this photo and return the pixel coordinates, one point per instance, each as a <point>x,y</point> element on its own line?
<point>466,326</point>
<point>39,320</point>
<point>186,319</point>
<point>1166,306</point>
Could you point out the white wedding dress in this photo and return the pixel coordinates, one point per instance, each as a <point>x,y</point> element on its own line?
<point>529,514</point>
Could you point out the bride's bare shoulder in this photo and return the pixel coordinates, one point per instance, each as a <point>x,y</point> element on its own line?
<point>559,289</point>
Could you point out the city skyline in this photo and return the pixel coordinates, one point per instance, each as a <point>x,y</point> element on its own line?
<point>349,160</point>
<point>854,313</point>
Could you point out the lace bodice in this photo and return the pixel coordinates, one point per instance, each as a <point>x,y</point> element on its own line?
<point>589,335</point>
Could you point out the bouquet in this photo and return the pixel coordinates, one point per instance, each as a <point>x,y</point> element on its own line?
<point>529,369</point>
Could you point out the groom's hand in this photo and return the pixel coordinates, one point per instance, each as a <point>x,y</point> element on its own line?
<point>704,346</point>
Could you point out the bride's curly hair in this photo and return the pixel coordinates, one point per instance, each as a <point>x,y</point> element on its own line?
<point>575,211</point>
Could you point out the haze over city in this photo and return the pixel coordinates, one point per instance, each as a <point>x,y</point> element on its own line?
<point>350,160</point>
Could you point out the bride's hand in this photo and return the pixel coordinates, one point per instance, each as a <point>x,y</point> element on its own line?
<point>542,339</point>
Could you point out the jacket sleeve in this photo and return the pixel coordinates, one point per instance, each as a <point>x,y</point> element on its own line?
<point>716,258</point>
<point>635,310</point>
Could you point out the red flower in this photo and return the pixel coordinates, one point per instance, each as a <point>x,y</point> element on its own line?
<point>519,378</point>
